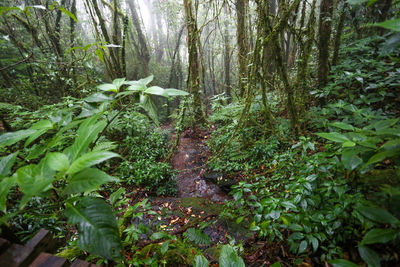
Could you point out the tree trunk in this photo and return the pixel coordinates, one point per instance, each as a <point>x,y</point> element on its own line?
<point>227,60</point>
<point>243,43</point>
<point>193,82</point>
<point>325,28</point>
<point>143,53</point>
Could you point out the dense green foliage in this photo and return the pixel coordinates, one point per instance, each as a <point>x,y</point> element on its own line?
<point>299,156</point>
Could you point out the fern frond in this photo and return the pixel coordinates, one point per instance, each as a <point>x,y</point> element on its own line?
<point>198,237</point>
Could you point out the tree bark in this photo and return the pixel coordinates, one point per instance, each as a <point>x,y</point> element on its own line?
<point>193,82</point>
<point>243,43</point>
<point>325,28</point>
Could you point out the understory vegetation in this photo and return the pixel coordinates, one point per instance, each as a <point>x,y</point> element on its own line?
<point>304,146</point>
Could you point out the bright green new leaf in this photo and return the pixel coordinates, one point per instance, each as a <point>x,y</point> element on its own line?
<point>97,227</point>
<point>87,180</point>
<point>369,256</point>
<point>69,14</point>
<point>90,159</point>
<point>108,87</point>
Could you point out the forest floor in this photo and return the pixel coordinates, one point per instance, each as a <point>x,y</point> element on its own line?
<point>199,202</point>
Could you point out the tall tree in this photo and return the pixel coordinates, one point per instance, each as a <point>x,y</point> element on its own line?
<point>324,33</point>
<point>243,42</point>
<point>142,51</point>
<point>193,82</point>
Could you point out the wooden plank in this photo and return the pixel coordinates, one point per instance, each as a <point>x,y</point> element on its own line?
<point>16,256</point>
<point>21,256</point>
<point>80,263</point>
<point>48,260</point>
<point>4,245</point>
<point>42,242</point>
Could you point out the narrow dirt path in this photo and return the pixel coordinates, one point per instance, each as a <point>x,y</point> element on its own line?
<point>190,155</point>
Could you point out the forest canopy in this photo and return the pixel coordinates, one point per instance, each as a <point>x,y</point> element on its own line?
<point>200,133</point>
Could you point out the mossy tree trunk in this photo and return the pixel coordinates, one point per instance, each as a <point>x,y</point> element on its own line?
<point>242,42</point>
<point>324,30</point>
<point>193,81</point>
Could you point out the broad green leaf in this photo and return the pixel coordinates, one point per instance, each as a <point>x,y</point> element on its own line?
<point>5,186</point>
<point>58,161</point>
<point>164,247</point>
<point>97,227</point>
<point>136,87</point>
<point>302,247</point>
<point>314,242</point>
<point>87,180</point>
<point>229,258</point>
<point>393,24</point>
<point>146,80</point>
<point>384,124</point>
<point>200,261</point>
<point>369,256</point>
<point>348,144</point>
<point>378,157</point>
<point>34,180</point>
<point>174,92</point>
<point>342,263</point>
<point>90,159</point>
<point>392,144</point>
<point>119,82</point>
<point>377,215</point>
<point>350,159</point>
<point>97,97</point>
<point>69,14</point>
<point>6,164</point>
<point>342,125</point>
<point>276,264</point>
<point>334,136</point>
<point>108,87</point>
<point>42,127</point>
<point>100,54</point>
<point>117,195</point>
<point>87,133</point>
<point>158,235</point>
<point>9,139</point>
<point>378,236</point>
<point>149,106</point>
<point>154,90</point>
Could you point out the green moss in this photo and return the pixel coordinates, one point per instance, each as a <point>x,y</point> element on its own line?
<point>178,253</point>
<point>201,204</point>
<point>70,253</point>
